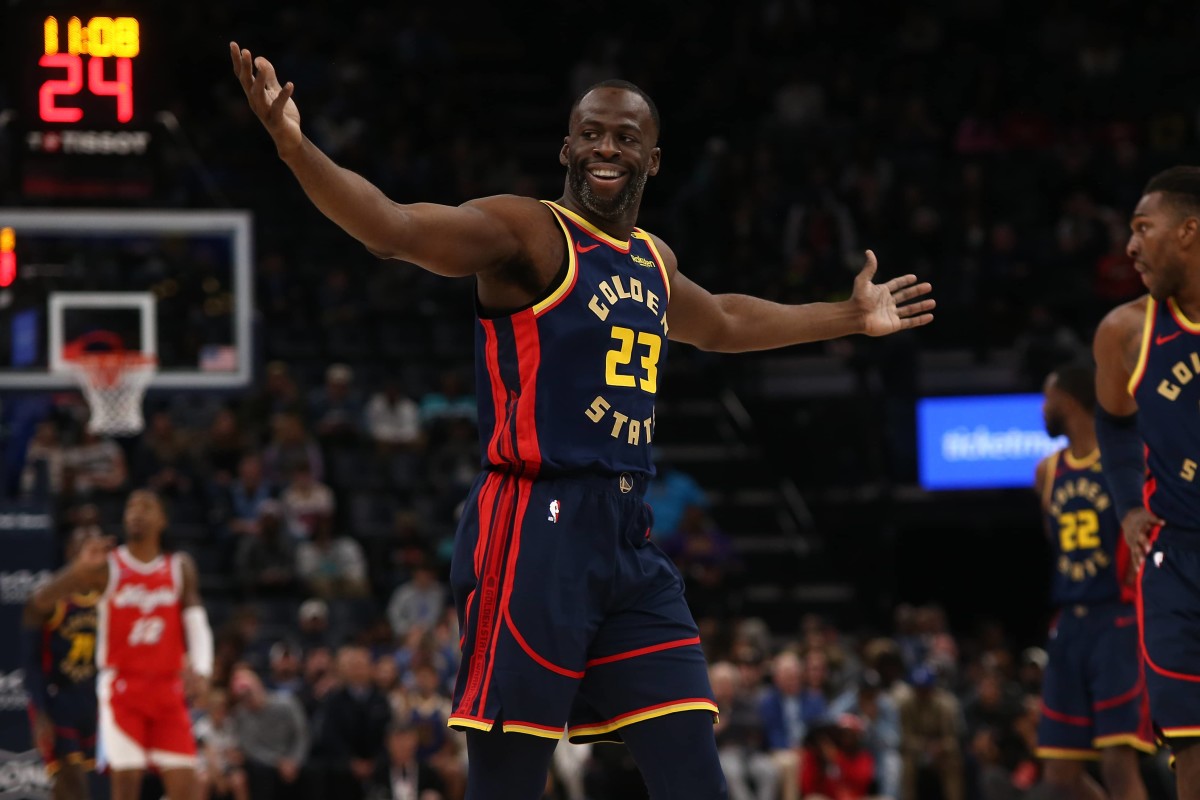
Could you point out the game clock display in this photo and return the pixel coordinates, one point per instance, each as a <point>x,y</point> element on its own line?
<point>85,119</point>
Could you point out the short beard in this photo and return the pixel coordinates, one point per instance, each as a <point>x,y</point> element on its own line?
<point>615,208</point>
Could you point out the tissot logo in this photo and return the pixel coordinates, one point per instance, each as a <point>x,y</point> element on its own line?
<point>12,690</point>
<point>15,587</point>
<point>22,776</point>
<point>104,143</point>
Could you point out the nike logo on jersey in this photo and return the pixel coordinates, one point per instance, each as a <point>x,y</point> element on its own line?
<point>579,248</point>
<point>1164,339</point>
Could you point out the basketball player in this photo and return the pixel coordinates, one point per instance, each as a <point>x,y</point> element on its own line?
<point>1093,693</point>
<point>572,621</point>
<point>1147,355</point>
<point>150,603</point>
<point>60,678</point>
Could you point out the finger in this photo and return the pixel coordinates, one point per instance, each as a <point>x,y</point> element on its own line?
<point>916,308</point>
<point>908,294</point>
<point>915,322</point>
<point>246,71</point>
<point>268,71</point>
<point>896,284</point>
<point>868,269</point>
<point>276,112</point>
<point>235,55</point>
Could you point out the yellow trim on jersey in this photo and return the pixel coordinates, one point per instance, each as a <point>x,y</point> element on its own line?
<point>1181,732</point>
<point>662,265</point>
<point>596,730</point>
<point>572,266</point>
<point>1139,369</point>
<point>1184,322</point>
<point>1118,739</point>
<point>1048,478</point>
<point>1081,463</point>
<point>463,722</point>
<point>86,599</point>
<point>590,228</point>
<point>60,613</point>
<point>1066,754</point>
<point>545,734</point>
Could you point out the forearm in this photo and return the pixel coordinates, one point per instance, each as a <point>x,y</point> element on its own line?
<point>348,199</point>
<point>750,323</point>
<point>31,663</point>
<point>1124,459</point>
<point>66,581</point>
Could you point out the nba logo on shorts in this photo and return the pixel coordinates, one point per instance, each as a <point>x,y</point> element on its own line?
<point>553,511</point>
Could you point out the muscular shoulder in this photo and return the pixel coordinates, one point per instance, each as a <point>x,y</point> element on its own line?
<point>1119,334</point>
<point>668,255</point>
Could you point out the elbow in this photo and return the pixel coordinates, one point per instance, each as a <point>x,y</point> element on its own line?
<point>716,336</point>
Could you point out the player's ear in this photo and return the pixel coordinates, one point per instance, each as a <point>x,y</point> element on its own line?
<point>1188,231</point>
<point>562,154</point>
<point>655,161</point>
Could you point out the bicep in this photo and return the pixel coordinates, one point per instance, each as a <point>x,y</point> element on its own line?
<point>694,315</point>
<point>455,241</point>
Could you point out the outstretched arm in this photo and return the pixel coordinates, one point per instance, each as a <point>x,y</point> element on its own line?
<point>455,241</point>
<point>735,323</point>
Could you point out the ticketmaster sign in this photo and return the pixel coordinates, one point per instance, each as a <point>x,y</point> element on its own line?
<point>981,442</point>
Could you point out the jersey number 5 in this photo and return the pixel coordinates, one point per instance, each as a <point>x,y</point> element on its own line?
<point>622,355</point>
<point>147,630</point>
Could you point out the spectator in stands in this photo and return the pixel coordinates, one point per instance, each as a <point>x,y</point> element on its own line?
<point>993,702</point>
<point>163,458</point>
<point>782,713</point>
<point>44,461</point>
<point>247,495</point>
<point>881,734</point>
<point>278,395</point>
<point>272,733</point>
<point>96,465</point>
<point>350,728</point>
<point>400,775</point>
<point>749,771</point>
<point>393,419</point>
<point>669,494</point>
<point>332,567</point>
<point>427,710</point>
<point>815,694</point>
<point>308,504</point>
<point>706,559</point>
<point>930,736</point>
<point>452,400</point>
<point>335,408</point>
<point>417,603</point>
<point>319,680</point>
<point>313,618</point>
<point>219,451</point>
<point>265,560</point>
<point>1031,670</point>
<point>219,759</point>
<point>290,447</point>
<point>284,665</point>
<point>834,762</point>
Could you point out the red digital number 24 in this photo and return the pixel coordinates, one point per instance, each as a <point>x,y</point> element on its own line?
<point>121,88</point>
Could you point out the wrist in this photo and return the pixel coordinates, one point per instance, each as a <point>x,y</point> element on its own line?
<point>290,150</point>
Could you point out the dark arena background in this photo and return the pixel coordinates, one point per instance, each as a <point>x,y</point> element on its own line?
<point>865,504</point>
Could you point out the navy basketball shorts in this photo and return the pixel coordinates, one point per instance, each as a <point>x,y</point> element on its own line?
<point>572,620</point>
<point>1093,690</point>
<point>1169,610</point>
<point>73,711</point>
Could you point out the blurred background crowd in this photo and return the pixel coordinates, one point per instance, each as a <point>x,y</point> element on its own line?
<point>321,504</point>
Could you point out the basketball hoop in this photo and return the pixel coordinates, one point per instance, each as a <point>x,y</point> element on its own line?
<point>113,380</point>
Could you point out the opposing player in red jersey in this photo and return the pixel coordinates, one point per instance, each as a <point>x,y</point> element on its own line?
<point>152,633</point>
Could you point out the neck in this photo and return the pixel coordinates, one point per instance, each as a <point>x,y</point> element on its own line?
<point>1188,301</point>
<point>143,549</point>
<point>1081,437</point>
<point>618,228</point>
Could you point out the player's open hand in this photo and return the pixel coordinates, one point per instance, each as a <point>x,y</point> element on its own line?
<point>271,102</point>
<point>887,308</point>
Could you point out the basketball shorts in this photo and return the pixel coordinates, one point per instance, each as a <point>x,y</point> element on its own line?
<point>573,621</point>
<point>1169,609</point>
<point>1093,690</point>
<point>144,722</point>
<point>73,711</point>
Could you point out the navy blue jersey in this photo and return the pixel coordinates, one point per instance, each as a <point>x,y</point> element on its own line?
<point>1091,559</point>
<point>567,385</point>
<point>1168,398</point>
<point>69,645</point>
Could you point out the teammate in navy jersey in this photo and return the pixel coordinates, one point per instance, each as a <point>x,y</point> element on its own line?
<point>1094,701</point>
<point>1147,355</point>
<point>573,622</point>
<point>59,660</point>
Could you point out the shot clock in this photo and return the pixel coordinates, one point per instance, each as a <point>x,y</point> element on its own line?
<point>86,104</point>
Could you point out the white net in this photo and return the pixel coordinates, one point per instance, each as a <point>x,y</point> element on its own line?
<point>114,385</point>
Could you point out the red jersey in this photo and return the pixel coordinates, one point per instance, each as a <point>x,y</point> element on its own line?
<point>140,623</point>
